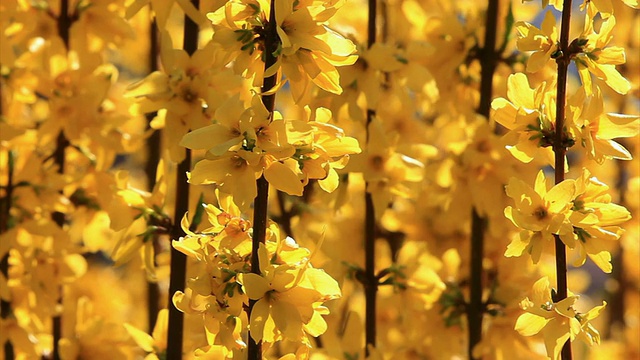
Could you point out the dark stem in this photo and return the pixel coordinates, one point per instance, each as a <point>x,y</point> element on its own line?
<point>370,281</point>
<point>64,27</point>
<point>260,203</point>
<point>5,213</point>
<point>178,263</point>
<point>488,60</point>
<point>475,310</point>
<point>153,158</point>
<point>616,302</point>
<point>64,22</point>
<point>259,237</point>
<point>560,151</point>
<point>285,215</point>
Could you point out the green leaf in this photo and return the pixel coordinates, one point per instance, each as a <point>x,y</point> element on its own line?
<point>197,217</point>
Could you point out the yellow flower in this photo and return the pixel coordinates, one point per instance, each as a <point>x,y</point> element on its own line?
<point>529,116</point>
<point>605,7</point>
<point>251,129</point>
<point>598,59</point>
<point>310,50</point>
<point>387,172</point>
<point>543,42</point>
<point>234,172</point>
<point>156,344</point>
<point>589,333</point>
<point>557,320</point>
<point>287,152</point>
<point>539,213</point>
<point>595,221</point>
<point>182,88</point>
<point>289,299</point>
<point>237,28</point>
<point>321,148</point>
<point>162,9</point>
<point>132,210</point>
<point>595,130</point>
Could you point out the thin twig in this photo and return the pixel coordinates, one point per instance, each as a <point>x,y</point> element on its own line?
<point>262,197</point>
<point>488,59</point>
<point>560,150</point>
<point>153,158</point>
<point>178,264</point>
<point>370,282</point>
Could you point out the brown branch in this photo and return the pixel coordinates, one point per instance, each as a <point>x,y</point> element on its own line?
<point>64,27</point>
<point>178,264</point>
<point>5,213</point>
<point>370,282</point>
<point>560,150</point>
<point>488,59</point>
<point>261,201</point>
<point>151,165</point>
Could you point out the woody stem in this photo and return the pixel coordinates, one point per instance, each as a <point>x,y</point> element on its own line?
<point>153,158</point>
<point>262,197</point>
<point>5,213</point>
<point>370,281</point>
<point>488,59</point>
<point>178,264</point>
<point>64,27</point>
<point>560,151</point>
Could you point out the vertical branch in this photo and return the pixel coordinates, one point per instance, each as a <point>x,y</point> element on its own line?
<point>488,59</point>
<point>262,197</point>
<point>5,213</point>
<point>370,281</point>
<point>616,301</point>
<point>153,158</point>
<point>559,148</point>
<point>64,27</point>
<point>178,263</point>
<point>285,215</point>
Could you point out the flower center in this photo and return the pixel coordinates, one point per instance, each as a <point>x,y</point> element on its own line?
<point>540,213</point>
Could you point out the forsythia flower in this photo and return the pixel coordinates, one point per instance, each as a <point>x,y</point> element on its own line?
<point>156,344</point>
<point>595,130</point>
<point>243,145</point>
<point>540,213</point>
<point>184,88</point>
<point>386,171</point>
<point>543,42</point>
<point>605,7</point>
<point>595,219</point>
<point>310,50</point>
<point>529,116</point>
<point>557,320</point>
<point>598,59</point>
<point>289,298</point>
<point>162,9</point>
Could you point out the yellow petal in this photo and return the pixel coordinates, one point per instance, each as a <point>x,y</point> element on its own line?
<point>530,324</point>
<point>144,340</point>
<point>519,91</point>
<point>259,316</point>
<point>554,339</point>
<point>284,179</point>
<point>614,126</point>
<point>255,286</point>
<point>211,137</point>
<point>330,182</point>
<point>561,195</point>
<point>160,330</point>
